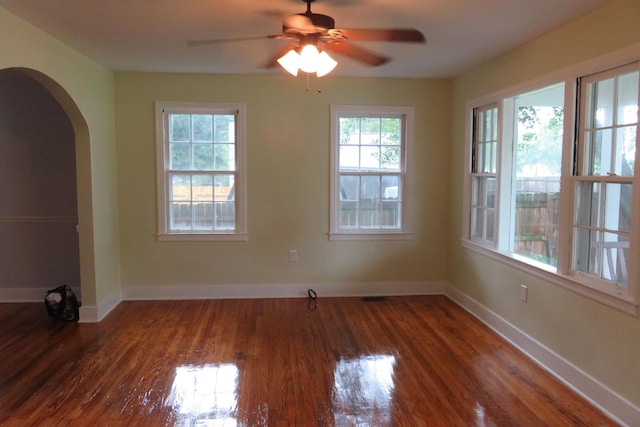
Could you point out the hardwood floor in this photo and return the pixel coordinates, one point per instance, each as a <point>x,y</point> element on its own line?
<point>404,361</point>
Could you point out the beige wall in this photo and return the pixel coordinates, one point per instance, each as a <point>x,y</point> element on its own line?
<point>287,184</point>
<point>85,91</point>
<point>600,340</point>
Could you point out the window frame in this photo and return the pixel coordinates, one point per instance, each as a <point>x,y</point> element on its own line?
<point>404,232</point>
<point>562,275</point>
<point>162,110</point>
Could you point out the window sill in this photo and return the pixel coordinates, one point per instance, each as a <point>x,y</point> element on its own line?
<point>197,237</point>
<point>616,301</point>
<point>371,236</point>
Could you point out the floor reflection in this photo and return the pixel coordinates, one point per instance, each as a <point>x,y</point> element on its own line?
<point>363,389</point>
<point>205,395</point>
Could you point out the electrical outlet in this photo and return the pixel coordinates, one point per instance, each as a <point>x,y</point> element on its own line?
<point>293,255</point>
<point>524,293</point>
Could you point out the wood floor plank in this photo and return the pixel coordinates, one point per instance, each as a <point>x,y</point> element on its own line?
<point>414,361</point>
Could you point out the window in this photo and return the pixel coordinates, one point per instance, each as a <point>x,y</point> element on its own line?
<point>605,175</point>
<point>200,166</point>
<point>551,182</point>
<point>369,172</point>
<point>483,174</point>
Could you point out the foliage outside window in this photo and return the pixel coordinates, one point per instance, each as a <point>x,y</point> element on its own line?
<point>551,187</point>
<point>200,170</point>
<point>369,170</point>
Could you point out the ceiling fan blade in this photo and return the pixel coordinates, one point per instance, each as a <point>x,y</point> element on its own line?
<point>298,22</point>
<point>357,53</point>
<point>234,39</point>
<point>273,60</point>
<point>406,35</point>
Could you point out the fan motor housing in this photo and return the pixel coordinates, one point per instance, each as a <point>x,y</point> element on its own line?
<point>320,20</point>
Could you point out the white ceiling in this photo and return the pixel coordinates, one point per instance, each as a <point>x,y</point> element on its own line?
<point>152,35</point>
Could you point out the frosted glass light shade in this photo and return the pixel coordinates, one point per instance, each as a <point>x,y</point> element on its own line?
<point>325,64</point>
<point>290,62</point>
<point>309,60</point>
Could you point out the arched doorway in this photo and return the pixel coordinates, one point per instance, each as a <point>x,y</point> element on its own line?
<point>43,142</point>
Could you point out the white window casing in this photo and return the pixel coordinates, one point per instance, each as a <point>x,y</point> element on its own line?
<point>365,164</point>
<point>201,188</point>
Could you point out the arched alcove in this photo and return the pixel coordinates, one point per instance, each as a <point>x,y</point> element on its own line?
<point>80,155</point>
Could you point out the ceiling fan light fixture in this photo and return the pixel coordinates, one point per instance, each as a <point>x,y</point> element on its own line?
<point>290,62</point>
<point>309,60</point>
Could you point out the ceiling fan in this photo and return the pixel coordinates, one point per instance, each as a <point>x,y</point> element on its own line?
<point>319,32</point>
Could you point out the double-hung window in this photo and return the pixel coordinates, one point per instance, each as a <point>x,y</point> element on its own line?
<point>200,171</point>
<point>484,173</point>
<point>552,182</point>
<point>370,177</point>
<point>605,175</point>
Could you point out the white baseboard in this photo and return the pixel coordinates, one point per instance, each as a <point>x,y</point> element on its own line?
<point>94,314</point>
<point>28,294</point>
<point>281,291</point>
<point>615,406</point>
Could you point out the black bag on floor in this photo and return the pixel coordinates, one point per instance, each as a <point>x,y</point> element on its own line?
<point>62,303</point>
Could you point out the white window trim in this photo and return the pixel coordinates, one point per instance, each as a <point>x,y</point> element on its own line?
<point>562,275</point>
<point>406,232</point>
<point>240,233</point>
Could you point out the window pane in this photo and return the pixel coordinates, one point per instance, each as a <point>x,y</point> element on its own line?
<point>626,150</point>
<point>390,158</point>
<point>587,203</point>
<point>391,214</point>
<point>615,256</point>
<point>537,168</point>
<point>349,130</point>
<point>390,131</point>
<point>225,157</point>
<point>225,218</point>
<point>202,188</point>
<point>601,103</point>
<point>490,193</point>
<point>477,223</point>
<point>598,152</point>
<point>180,156</point>
<point>180,188</point>
<point>391,189</point>
<point>602,255</point>
<point>370,201</point>
<point>224,128</point>
<point>617,212</point>
<point>489,232</point>
<point>202,216</point>
<point>179,127</point>
<point>349,187</point>
<point>628,99</point>
<point>202,127</point>
<point>203,156</point>
<point>224,190</point>
<point>349,196</point>
<point>348,214</point>
<point>180,216</point>
<point>370,158</point>
<point>370,131</point>
<point>586,258</point>
<point>349,157</point>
